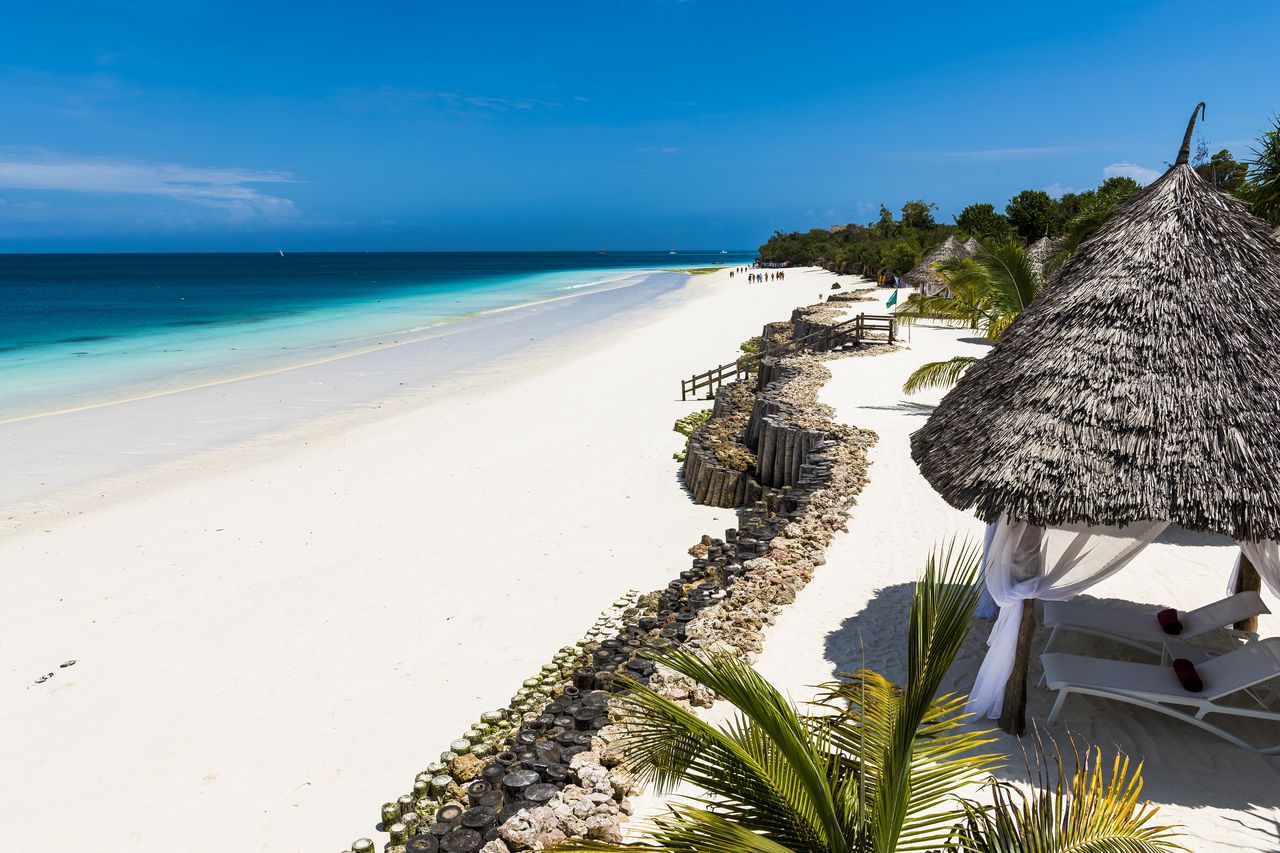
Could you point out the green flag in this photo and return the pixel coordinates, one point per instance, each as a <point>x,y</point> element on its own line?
<point>893,300</point>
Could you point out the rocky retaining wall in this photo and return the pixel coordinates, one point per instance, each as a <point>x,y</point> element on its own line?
<point>717,465</point>
<point>546,767</point>
<point>815,325</point>
<point>787,424</point>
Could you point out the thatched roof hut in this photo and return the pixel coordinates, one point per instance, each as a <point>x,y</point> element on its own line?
<point>923,278</point>
<point>971,246</point>
<point>1142,385</point>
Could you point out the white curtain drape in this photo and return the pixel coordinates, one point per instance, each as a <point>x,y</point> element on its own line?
<point>1265,557</point>
<point>1028,562</point>
<point>987,607</point>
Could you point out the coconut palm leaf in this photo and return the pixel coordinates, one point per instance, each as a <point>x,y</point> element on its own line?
<point>938,374</point>
<point>913,750</point>
<point>765,767</point>
<point>990,288</point>
<point>1010,282</point>
<point>1083,811</point>
<point>965,306</point>
<point>947,309</point>
<point>754,780</point>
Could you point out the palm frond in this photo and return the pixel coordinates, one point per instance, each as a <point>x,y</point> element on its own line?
<point>1010,280</point>
<point>772,733</point>
<point>941,613</point>
<point>1084,810</point>
<point>910,749</point>
<point>664,744</point>
<point>919,307</point>
<point>938,374</point>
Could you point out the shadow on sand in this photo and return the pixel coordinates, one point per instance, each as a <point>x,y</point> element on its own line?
<point>906,407</point>
<point>1182,764</point>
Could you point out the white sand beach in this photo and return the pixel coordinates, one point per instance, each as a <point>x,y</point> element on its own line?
<point>272,644</point>
<point>271,641</point>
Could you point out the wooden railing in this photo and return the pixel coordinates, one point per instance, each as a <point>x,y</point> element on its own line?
<point>861,328</point>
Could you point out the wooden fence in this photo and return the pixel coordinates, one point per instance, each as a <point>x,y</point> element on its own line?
<point>864,327</point>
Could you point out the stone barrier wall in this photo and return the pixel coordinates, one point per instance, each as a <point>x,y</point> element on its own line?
<point>815,325</point>
<point>787,424</point>
<point>718,467</point>
<point>546,767</point>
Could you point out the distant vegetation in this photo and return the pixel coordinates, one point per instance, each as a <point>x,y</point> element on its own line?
<point>895,245</point>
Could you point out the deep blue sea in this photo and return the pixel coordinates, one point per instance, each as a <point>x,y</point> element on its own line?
<point>80,327</point>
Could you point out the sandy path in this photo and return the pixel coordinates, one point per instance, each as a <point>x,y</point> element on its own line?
<point>271,649</point>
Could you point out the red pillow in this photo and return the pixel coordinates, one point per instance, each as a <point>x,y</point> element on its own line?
<point>1168,620</point>
<point>1187,675</point>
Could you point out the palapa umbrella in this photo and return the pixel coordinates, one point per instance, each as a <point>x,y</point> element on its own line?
<point>1142,385</point>
<point>923,278</point>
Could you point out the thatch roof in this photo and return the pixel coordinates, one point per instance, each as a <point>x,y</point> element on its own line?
<point>922,275</point>
<point>971,245</point>
<point>1039,252</point>
<point>1142,384</point>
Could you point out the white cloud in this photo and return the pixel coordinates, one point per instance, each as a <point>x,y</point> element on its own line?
<point>1057,190</point>
<point>663,149</point>
<point>229,189</point>
<point>393,99</point>
<point>1125,169</point>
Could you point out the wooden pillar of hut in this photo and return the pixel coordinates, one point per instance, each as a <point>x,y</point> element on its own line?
<point>1013,713</point>
<point>1247,580</point>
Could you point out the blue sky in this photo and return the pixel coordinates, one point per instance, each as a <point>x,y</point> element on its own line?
<point>187,125</point>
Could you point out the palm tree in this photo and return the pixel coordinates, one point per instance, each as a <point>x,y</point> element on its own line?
<point>1262,189</point>
<point>988,290</point>
<point>874,767</point>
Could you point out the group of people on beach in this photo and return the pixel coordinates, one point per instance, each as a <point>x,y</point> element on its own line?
<point>753,277</point>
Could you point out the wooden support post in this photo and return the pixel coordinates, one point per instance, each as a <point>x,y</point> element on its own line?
<point>1248,581</point>
<point>1013,714</point>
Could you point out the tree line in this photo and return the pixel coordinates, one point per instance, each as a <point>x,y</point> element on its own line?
<point>895,245</point>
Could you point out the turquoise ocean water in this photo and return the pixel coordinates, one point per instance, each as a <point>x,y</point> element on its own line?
<point>79,329</point>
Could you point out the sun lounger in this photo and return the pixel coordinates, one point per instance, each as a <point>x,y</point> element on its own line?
<point>1139,628</point>
<point>1233,685</point>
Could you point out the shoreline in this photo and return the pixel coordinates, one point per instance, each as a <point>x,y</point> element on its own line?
<point>417,372</point>
<point>349,346</point>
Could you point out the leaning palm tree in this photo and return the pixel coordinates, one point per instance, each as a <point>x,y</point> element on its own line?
<point>872,767</point>
<point>989,289</point>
